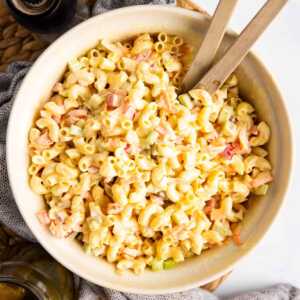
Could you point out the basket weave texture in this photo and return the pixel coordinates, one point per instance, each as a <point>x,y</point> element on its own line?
<point>18,43</point>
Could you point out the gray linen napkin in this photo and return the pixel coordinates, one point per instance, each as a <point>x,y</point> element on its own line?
<point>10,216</point>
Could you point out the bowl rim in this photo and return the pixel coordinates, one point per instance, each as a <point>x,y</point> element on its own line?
<point>165,290</point>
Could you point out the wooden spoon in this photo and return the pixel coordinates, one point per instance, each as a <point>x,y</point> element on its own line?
<point>210,44</point>
<point>217,75</point>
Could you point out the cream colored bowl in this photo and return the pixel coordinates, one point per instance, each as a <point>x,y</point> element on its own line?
<point>257,86</point>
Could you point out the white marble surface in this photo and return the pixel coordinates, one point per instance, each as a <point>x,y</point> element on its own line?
<point>277,258</point>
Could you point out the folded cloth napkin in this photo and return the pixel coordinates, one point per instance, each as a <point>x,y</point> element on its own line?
<point>10,216</point>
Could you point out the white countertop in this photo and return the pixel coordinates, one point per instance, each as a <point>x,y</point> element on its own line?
<point>277,258</point>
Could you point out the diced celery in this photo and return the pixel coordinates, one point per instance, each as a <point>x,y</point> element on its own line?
<point>169,264</point>
<point>157,265</point>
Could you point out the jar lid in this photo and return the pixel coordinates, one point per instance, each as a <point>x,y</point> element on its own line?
<point>33,7</point>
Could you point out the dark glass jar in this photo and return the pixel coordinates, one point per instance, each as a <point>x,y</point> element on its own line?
<point>43,16</point>
<point>33,274</point>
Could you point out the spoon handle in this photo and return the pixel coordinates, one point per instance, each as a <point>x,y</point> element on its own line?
<point>210,43</point>
<point>217,75</point>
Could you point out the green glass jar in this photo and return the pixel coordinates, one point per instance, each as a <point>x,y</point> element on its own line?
<point>34,274</point>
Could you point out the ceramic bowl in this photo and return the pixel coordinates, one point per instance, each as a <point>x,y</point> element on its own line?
<point>256,85</point>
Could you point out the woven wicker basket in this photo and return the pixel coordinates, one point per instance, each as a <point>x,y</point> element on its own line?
<point>17,43</point>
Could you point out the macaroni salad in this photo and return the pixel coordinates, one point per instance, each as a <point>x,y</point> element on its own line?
<point>139,175</point>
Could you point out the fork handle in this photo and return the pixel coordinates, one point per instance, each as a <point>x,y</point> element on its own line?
<point>210,44</point>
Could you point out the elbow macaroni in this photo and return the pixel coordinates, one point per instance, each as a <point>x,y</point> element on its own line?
<point>142,176</point>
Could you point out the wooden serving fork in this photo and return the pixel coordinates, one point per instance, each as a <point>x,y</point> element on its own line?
<point>219,72</point>
<point>210,44</point>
